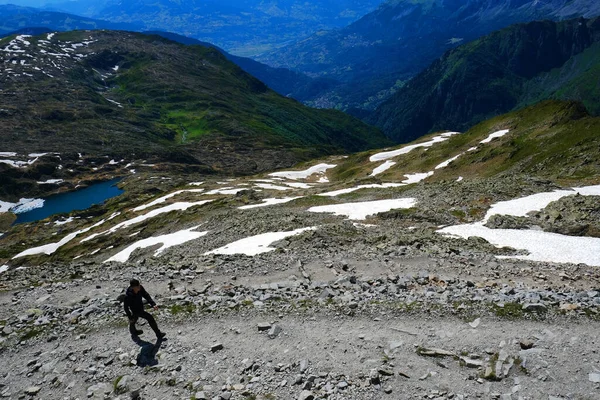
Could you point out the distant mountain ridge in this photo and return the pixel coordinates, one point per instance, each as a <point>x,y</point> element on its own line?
<point>516,66</point>
<point>377,54</point>
<point>32,21</point>
<point>243,27</point>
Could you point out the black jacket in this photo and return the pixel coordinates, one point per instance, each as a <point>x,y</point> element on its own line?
<point>133,303</point>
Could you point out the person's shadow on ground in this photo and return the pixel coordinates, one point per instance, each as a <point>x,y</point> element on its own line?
<point>147,356</point>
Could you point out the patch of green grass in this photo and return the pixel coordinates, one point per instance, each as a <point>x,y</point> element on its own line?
<point>116,389</point>
<point>31,333</point>
<point>509,311</point>
<point>176,309</point>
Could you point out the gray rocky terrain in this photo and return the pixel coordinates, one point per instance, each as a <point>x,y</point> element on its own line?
<point>374,309</point>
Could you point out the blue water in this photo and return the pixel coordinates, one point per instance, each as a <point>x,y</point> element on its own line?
<point>67,202</point>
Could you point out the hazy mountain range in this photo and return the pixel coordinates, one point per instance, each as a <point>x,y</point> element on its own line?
<point>374,56</point>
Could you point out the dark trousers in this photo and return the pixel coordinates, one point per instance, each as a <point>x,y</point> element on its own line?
<point>148,317</point>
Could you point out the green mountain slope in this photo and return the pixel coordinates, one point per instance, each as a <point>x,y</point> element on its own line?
<point>493,75</point>
<point>555,140</point>
<point>24,20</point>
<point>576,79</point>
<point>125,95</point>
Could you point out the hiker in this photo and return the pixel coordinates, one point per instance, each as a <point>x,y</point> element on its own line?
<point>134,308</point>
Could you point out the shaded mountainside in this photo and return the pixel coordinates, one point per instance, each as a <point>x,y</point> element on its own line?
<point>375,55</point>
<point>22,20</point>
<point>495,74</point>
<point>284,81</point>
<point>125,94</point>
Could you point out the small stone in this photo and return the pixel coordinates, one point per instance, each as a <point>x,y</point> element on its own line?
<point>264,326</point>
<point>32,390</point>
<point>123,385</point>
<point>526,344</point>
<point>225,396</point>
<point>475,323</point>
<point>306,395</point>
<point>472,363</point>
<point>374,377</point>
<point>569,307</point>
<point>201,396</point>
<point>535,307</point>
<point>394,345</point>
<point>387,390</point>
<point>216,347</point>
<point>303,365</point>
<point>594,377</point>
<point>385,372</point>
<point>274,331</point>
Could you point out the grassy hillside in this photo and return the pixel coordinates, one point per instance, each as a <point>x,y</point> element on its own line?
<point>120,94</point>
<point>554,140</point>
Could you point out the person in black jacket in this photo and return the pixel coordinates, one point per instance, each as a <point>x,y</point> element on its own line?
<point>134,308</point>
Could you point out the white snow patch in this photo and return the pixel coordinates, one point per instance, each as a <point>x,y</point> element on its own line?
<point>25,205</point>
<point>3,268</point>
<point>7,154</point>
<point>295,175</point>
<point>460,179</point>
<point>51,182</point>
<point>5,206</point>
<point>171,207</point>
<point>323,179</point>
<point>416,178</point>
<point>196,183</point>
<point>115,68</point>
<point>164,198</point>
<point>542,246</point>
<point>113,162</point>
<point>407,149</point>
<point>269,202</point>
<point>447,162</point>
<point>360,211</point>
<point>65,221</point>
<point>50,35</point>
<point>52,247</point>
<point>34,155</point>
<point>359,225</point>
<point>16,164</point>
<point>114,102</point>
<point>167,241</point>
<point>383,167</point>
<point>495,135</point>
<point>520,207</point>
<point>258,244</point>
<point>354,189</point>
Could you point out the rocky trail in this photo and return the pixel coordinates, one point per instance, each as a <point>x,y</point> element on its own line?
<point>339,329</point>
